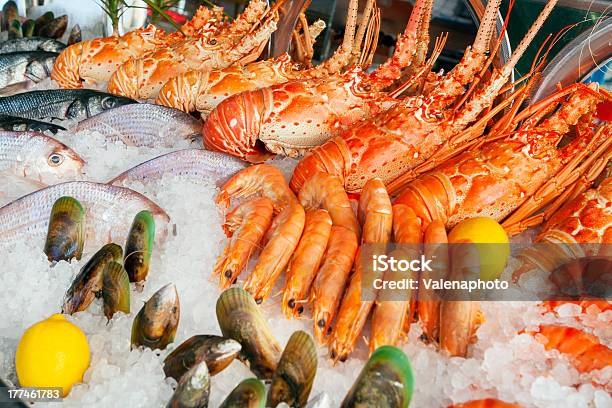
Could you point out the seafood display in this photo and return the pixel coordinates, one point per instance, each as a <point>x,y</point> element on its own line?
<point>230,224</point>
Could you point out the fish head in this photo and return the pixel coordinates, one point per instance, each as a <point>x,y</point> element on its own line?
<point>41,68</point>
<point>95,103</point>
<point>58,163</point>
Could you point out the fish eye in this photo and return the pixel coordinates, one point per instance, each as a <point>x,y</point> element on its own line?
<point>212,41</point>
<point>108,103</point>
<point>56,159</point>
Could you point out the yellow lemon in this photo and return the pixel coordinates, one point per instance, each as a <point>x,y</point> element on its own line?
<point>485,231</point>
<point>52,353</point>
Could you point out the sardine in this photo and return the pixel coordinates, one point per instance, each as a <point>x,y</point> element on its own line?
<point>16,123</point>
<point>36,156</point>
<point>109,211</point>
<point>60,104</point>
<point>144,124</point>
<point>31,44</point>
<point>25,66</point>
<point>193,164</point>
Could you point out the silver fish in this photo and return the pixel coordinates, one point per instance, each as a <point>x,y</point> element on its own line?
<point>194,164</point>
<point>60,104</point>
<point>31,44</point>
<point>30,67</point>
<point>144,124</point>
<point>36,156</point>
<point>109,211</point>
<point>16,123</point>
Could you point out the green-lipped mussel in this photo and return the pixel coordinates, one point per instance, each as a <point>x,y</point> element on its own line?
<point>386,381</point>
<point>66,230</point>
<point>88,282</point>
<point>293,378</point>
<point>193,389</point>
<point>139,246</point>
<point>250,393</point>
<point>240,319</point>
<point>115,290</point>
<point>156,323</point>
<point>218,352</point>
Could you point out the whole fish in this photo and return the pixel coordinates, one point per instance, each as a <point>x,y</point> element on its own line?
<point>76,104</point>
<point>30,67</point>
<point>16,123</point>
<point>36,156</point>
<point>144,124</point>
<point>193,164</point>
<point>31,44</point>
<point>109,211</point>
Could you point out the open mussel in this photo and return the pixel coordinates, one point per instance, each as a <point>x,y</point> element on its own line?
<point>88,282</point>
<point>66,230</point>
<point>240,319</point>
<point>156,323</point>
<point>218,352</point>
<point>193,389</point>
<point>295,373</point>
<point>139,246</point>
<point>386,381</point>
<point>250,393</point>
<point>115,290</point>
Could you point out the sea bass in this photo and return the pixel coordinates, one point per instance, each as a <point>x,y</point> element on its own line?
<point>36,156</point>
<point>16,123</point>
<point>144,125</point>
<point>109,211</point>
<point>31,44</point>
<point>76,104</point>
<point>30,67</point>
<point>193,164</point>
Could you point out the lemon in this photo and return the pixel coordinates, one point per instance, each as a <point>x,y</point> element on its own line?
<point>52,353</point>
<point>483,231</point>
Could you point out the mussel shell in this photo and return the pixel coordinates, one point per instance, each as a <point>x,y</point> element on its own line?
<point>193,390</point>
<point>42,21</point>
<point>55,28</point>
<point>240,319</point>
<point>89,280</point>
<point>75,35</point>
<point>139,246</point>
<point>293,378</point>
<point>156,323</point>
<point>218,352</point>
<point>250,393</point>
<point>115,290</point>
<point>386,381</point>
<point>65,235</point>
<point>27,28</point>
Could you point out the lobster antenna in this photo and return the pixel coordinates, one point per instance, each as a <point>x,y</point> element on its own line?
<point>524,44</point>
<point>423,34</point>
<point>487,94</point>
<point>487,27</point>
<point>351,25</point>
<point>363,25</point>
<point>371,39</point>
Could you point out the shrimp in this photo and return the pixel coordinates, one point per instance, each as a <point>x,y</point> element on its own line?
<point>376,215</point>
<point>584,349</point>
<point>245,225</point>
<point>305,262</point>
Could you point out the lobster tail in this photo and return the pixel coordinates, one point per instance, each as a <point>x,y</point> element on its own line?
<point>233,127</point>
<point>125,80</point>
<point>66,68</point>
<point>181,92</point>
<point>333,157</point>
